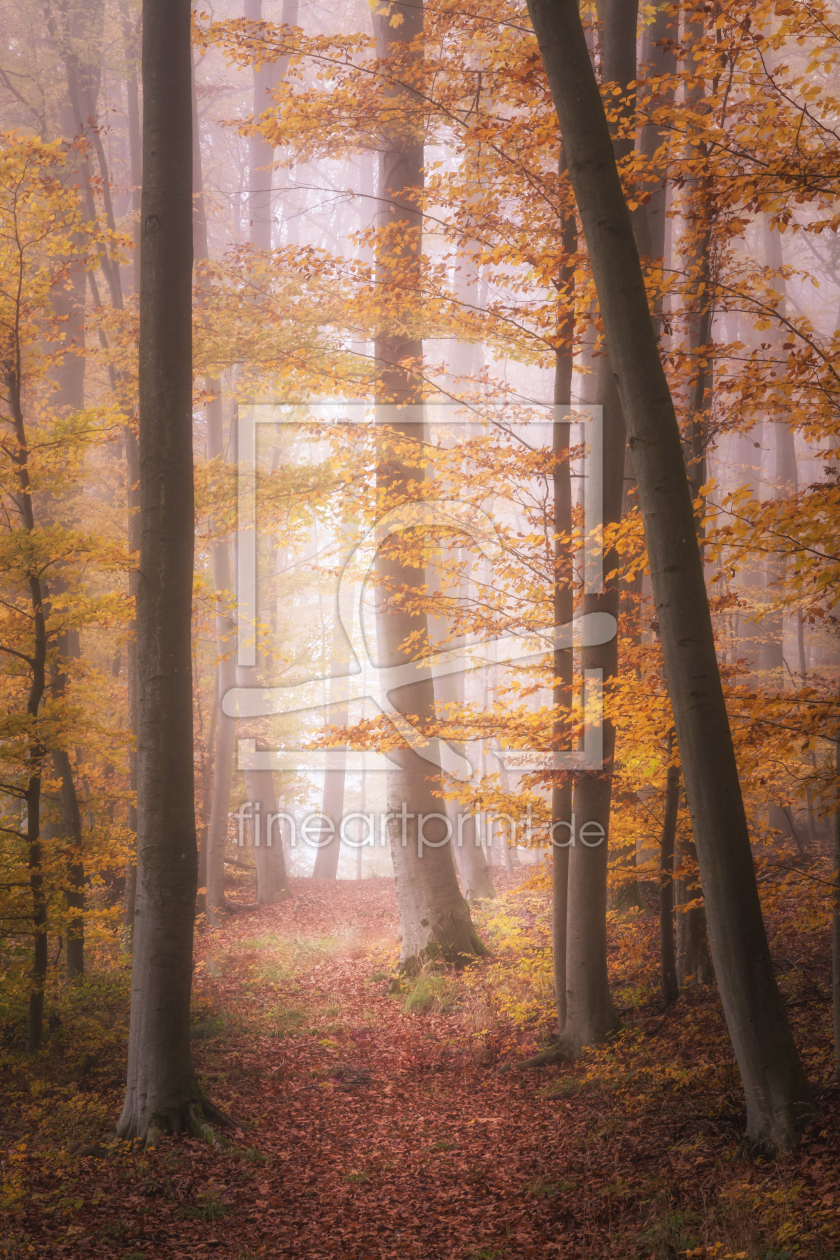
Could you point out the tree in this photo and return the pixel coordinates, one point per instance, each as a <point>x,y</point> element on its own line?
<point>779,1100</point>
<point>162,1090</point>
<point>434,916</point>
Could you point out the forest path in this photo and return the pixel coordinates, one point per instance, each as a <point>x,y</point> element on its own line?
<point>376,1125</point>
<point>387,1131</point>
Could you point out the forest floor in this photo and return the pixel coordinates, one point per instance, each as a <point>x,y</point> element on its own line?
<point>383,1119</point>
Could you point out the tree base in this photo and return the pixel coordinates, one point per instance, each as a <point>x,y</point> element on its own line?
<point>193,1116</point>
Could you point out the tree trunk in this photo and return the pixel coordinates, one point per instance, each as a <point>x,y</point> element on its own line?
<point>563,599</point>
<point>694,964</point>
<point>779,1100</point>
<point>835,925</point>
<point>215,835</point>
<point>590,1014</point>
<point>327,855</point>
<point>470,859</point>
<point>269,861</point>
<point>434,917</point>
<point>667,957</point>
<point>36,752</point>
<point>74,892</point>
<point>269,858</point>
<point>261,197</point>
<point>162,1090</point>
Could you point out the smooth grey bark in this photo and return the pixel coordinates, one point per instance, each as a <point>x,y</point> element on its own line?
<point>36,751</point>
<point>434,917</point>
<point>694,963</point>
<point>332,804</point>
<point>658,53</point>
<point>215,834</point>
<point>71,823</point>
<point>785,481</point>
<point>470,858</point>
<point>563,602</point>
<point>590,1013</point>
<point>779,1101</point>
<point>835,925</point>
<point>667,952</point>
<point>132,455</point>
<point>162,1090</point>
<point>269,860</point>
<point>261,196</point>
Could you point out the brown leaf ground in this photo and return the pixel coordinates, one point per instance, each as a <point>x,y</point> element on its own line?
<point>382,1124</point>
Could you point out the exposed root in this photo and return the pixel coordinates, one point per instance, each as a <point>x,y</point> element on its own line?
<point>214,1113</point>
<point>196,1116</point>
<point>199,1127</point>
<point>554,1054</point>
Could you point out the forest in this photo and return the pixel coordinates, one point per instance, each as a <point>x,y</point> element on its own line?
<point>420,629</point>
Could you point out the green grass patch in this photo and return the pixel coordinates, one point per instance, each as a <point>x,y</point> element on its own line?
<point>428,994</point>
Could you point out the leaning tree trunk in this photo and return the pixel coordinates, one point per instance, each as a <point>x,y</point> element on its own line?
<point>162,1090</point>
<point>434,917</point>
<point>779,1100</point>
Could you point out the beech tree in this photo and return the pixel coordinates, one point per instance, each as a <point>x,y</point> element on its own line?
<point>779,1100</point>
<point>434,916</point>
<point>162,1091</point>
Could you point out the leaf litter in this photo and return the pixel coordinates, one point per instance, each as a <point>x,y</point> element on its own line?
<point>376,1123</point>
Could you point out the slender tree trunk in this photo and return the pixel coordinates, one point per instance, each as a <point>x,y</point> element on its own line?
<point>779,1100</point>
<point>215,835</point>
<point>590,1014</point>
<point>35,1009</point>
<point>434,917</point>
<point>162,1090</point>
<point>74,893</point>
<point>694,963</point>
<point>326,857</point>
<point>207,797</point>
<point>132,451</point>
<point>667,955</point>
<point>269,860</point>
<point>37,751</point>
<point>563,665</point>
<point>471,862</point>
<point>835,925</point>
<point>261,197</point>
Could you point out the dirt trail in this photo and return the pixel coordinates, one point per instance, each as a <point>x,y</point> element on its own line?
<point>374,1124</point>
